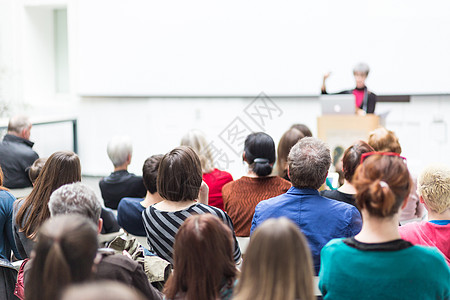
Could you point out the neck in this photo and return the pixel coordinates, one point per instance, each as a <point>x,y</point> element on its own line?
<point>435,216</point>
<point>151,199</point>
<point>252,174</point>
<point>347,188</point>
<point>378,229</point>
<point>168,205</point>
<point>123,167</point>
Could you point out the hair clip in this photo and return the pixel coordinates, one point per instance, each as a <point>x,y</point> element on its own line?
<point>383,184</point>
<point>261,160</point>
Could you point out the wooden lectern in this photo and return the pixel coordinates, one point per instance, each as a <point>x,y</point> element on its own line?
<point>344,130</point>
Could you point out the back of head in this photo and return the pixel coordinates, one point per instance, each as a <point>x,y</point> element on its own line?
<point>197,141</point>
<point>384,140</point>
<point>119,149</point>
<point>75,198</point>
<point>361,68</point>
<point>382,184</point>
<point>62,167</point>
<point>201,276</point>
<point>303,129</point>
<point>64,254</point>
<point>287,141</point>
<point>17,124</point>
<point>433,185</point>
<point>352,158</point>
<point>259,150</point>
<point>309,161</point>
<point>179,175</point>
<point>278,264</point>
<point>36,168</point>
<point>150,172</point>
<point>104,290</point>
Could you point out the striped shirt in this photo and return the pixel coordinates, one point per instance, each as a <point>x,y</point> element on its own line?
<point>162,226</point>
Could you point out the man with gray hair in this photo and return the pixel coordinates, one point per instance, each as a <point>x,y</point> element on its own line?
<point>78,198</point>
<point>120,183</point>
<point>16,153</point>
<point>320,219</point>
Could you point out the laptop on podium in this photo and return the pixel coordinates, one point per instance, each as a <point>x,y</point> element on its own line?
<point>339,104</point>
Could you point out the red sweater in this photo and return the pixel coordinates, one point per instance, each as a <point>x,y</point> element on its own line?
<point>215,181</point>
<point>240,198</point>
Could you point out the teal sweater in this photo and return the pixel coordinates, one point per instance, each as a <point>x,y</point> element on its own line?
<point>416,272</point>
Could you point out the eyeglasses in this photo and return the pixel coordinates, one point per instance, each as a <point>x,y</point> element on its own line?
<point>367,154</point>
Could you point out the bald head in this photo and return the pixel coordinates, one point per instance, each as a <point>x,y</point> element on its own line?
<point>20,126</point>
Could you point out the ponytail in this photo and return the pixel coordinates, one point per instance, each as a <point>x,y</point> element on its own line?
<point>262,167</point>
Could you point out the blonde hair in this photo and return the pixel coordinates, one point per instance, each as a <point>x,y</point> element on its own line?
<point>434,187</point>
<point>384,140</point>
<point>277,265</point>
<point>197,141</point>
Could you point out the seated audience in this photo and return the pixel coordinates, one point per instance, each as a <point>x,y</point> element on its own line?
<point>377,263</point>
<point>6,232</point>
<point>64,254</point>
<point>213,177</point>
<point>287,141</point>
<point>241,196</point>
<point>320,219</point>
<point>120,183</point>
<point>203,260</point>
<point>16,153</point>
<point>109,219</point>
<point>303,129</point>
<point>384,140</point>
<point>78,198</point>
<point>29,213</point>
<point>278,264</point>
<point>352,157</point>
<point>178,182</point>
<point>434,191</point>
<point>104,290</point>
<point>129,212</point>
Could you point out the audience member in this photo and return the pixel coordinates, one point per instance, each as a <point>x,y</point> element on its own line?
<point>303,129</point>
<point>120,183</point>
<point>241,196</point>
<point>16,153</point>
<point>178,182</point>
<point>6,232</point>
<point>203,260</point>
<point>28,214</point>
<point>105,290</point>
<point>384,140</point>
<point>129,212</point>
<point>213,177</point>
<point>352,157</point>
<point>320,219</point>
<point>78,198</point>
<point>377,263</point>
<point>434,191</point>
<point>64,254</point>
<point>287,141</point>
<point>277,264</point>
<point>35,169</point>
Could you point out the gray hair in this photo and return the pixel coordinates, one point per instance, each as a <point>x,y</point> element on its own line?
<point>75,198</point>
<point>119,147</point>
<point>309,161</point>
<point>197,141</point>
<point>18,123</point>
<point>362,67</point>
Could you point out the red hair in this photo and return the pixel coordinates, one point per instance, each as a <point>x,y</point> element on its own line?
<point>203,259</point>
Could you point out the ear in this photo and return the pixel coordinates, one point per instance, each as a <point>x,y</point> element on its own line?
<point>288,173</point>
<point>405,202</point>
<point>100,225</point>
<point>243,156</point>
<point>421,199</point>
<point>326,176</point>
<point>129,158</point>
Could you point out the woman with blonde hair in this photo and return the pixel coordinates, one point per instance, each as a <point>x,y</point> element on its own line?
<point>277,265</point>
<point>377,263</point>
<point>61,168</point>
<point>213,177</point>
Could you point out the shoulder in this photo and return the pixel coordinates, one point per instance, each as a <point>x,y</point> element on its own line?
<point>410,228</point>
<point>203,208</point>
<point>429,257</point>
<point>7,196</point>
<point>277,201</point>
<point>118,262</point>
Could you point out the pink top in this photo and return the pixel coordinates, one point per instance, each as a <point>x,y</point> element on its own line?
<point>359,97</point>
<point>428,234</point>
<point>215,181</point>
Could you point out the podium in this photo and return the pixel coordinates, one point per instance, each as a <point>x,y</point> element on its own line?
<point>344,130</point>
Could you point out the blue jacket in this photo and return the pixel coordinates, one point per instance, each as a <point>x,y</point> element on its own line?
<point>6,231</point>
<point>320,219</point>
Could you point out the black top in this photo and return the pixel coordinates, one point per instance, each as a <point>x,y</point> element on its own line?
<point>109,221</point>
<point>369,101</point>
<point>16,155</point>
<point>121,184</point>
<point>339,196</point>
<point>386,246</point>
